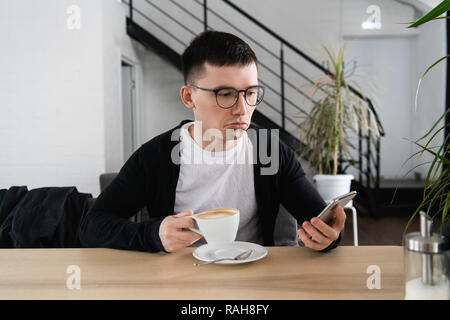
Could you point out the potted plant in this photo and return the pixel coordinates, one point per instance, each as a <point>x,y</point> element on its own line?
<point>426,254</point>
<point>334,119</point>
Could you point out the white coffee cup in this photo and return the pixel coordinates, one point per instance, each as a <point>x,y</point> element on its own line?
<point>218,226</point>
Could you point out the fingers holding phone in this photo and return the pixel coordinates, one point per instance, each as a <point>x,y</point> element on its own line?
<point>318,235</point>
<point>339,218</point>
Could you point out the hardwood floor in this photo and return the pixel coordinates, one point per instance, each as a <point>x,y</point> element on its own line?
<point>382,231</point>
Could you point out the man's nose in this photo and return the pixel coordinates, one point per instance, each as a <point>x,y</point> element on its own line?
<point>241,105</point>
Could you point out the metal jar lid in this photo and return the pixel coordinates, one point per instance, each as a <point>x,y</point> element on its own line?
<point>435,243</point>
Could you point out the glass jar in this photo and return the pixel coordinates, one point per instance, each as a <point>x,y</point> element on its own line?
<point>426,263</point>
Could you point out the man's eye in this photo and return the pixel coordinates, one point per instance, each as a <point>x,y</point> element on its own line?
<point>225,93</point>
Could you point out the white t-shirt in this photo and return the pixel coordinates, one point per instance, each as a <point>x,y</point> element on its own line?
<point>212,180</point>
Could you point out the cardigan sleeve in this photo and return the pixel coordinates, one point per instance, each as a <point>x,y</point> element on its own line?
<point>107,223</point>
<point>297,194</point>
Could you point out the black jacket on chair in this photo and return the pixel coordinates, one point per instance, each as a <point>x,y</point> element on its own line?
<point>42,218</point>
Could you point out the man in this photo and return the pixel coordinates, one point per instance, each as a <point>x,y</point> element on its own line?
<point>221,88</point>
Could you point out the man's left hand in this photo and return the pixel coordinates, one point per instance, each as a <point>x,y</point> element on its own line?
<point>318,235</point>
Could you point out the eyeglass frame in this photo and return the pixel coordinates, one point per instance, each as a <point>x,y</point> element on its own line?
<point>236,97</point>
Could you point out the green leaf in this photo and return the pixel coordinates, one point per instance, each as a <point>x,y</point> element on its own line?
<point>441,18</point>
<point>440,9</point>
<point>446,161</point>
<point>444,213</point>
<point>415,167</point>
<point>430,67</point>
<point>425,201</point>
<point>435,124</point>
<point>439,194</point>
<point>439,152</point>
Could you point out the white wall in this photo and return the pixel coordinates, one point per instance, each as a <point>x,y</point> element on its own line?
<point>117,46</point>
<point>60,93</point>
<point>51,95</point>
<point>159,106</point>
<point>162,108</point>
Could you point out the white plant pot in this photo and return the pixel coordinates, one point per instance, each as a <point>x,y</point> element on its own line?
<point>331,186</point>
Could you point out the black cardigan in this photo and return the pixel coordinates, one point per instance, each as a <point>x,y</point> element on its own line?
<point>149,178</point>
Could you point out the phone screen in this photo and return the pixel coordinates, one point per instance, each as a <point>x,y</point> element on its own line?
<point>327,214</point>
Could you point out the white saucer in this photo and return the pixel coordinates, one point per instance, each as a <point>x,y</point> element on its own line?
<point>208,252</point>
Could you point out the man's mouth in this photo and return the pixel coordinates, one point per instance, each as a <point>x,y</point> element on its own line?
<point>237,125</point>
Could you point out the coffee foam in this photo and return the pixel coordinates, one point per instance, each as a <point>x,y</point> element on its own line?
<point>215,215</point>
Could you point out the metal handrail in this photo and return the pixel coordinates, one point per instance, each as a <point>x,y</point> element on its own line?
<point>189,13</point>
<point>239,30</point>
<point>276,36</point>
<point>171,18</point>
<point>287,82</point>
<point>288,100</point>
<point>267,51</point>
<point>157,25</point>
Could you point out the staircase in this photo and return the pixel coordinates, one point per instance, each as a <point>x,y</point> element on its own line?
<point>281,105</point>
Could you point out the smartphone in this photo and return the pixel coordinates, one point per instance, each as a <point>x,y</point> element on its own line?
<point>327,214</point>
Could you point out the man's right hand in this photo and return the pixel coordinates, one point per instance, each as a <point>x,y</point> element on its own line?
<point>171,232</point>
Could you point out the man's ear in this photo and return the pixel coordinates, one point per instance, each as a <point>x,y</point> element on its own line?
<point>186,96</point>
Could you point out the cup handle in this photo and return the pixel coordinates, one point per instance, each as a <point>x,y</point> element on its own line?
<point>194,229</point>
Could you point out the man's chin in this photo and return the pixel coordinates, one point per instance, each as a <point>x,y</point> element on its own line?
<point>235,133</point>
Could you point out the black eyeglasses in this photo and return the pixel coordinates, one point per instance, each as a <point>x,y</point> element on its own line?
<point>227,97</point>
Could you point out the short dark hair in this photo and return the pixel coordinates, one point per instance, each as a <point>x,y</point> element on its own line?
<point>218,49</point>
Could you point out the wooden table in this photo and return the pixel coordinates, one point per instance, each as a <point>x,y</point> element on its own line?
<point>285,273</point>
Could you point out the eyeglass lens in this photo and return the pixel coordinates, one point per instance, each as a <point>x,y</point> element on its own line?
<point>227,97</point>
